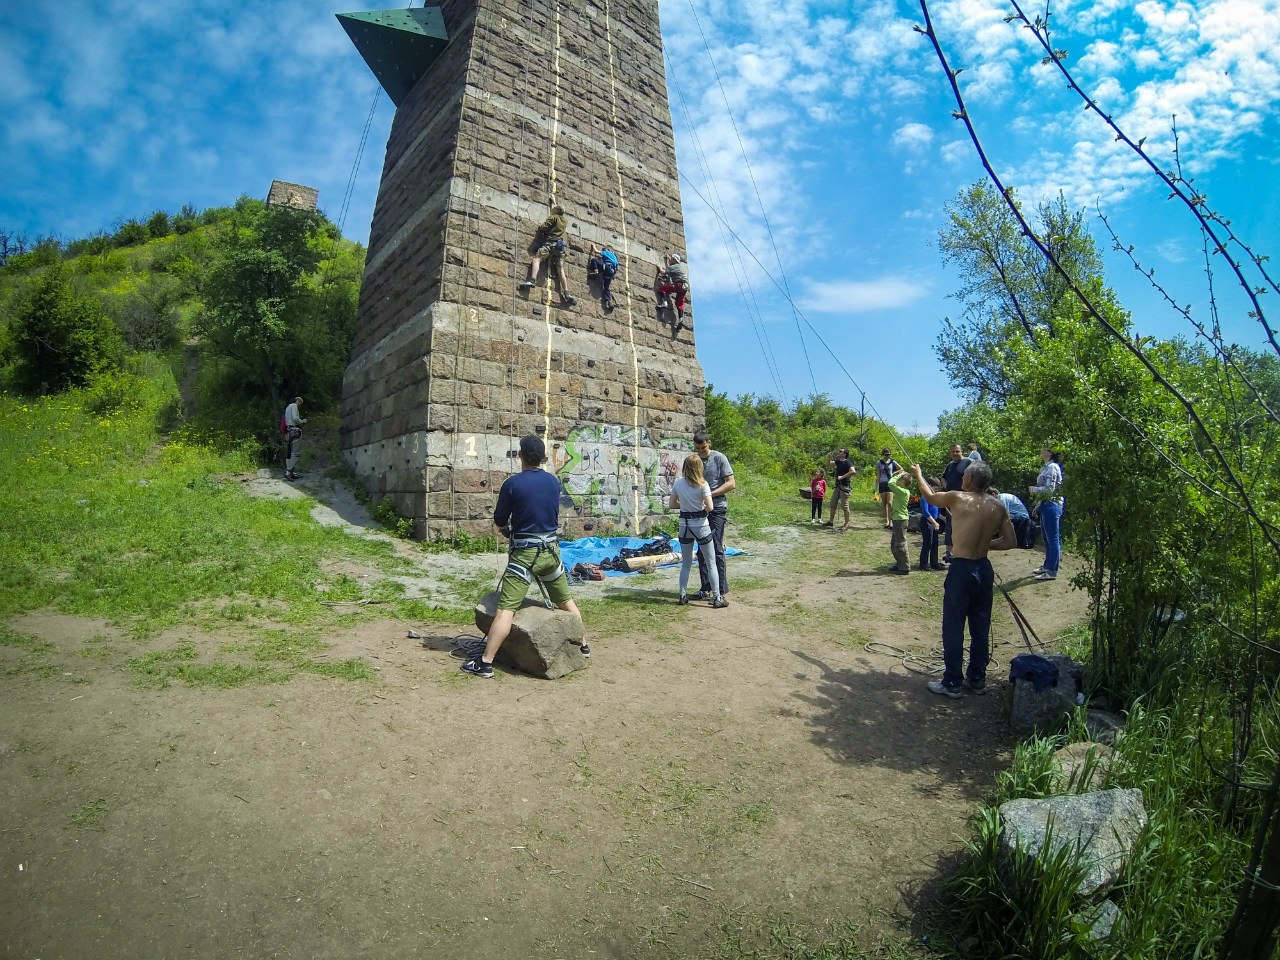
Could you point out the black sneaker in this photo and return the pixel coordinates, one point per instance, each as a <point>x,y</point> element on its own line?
<point>975,686</point>
<point>585,650</point>
<point>478,667</point>
<point>719,603</point>
<point>683,601</point>
<point>701,595</point>
<point>567,301</point>
<point>938,566</point>
<point>525,285</point>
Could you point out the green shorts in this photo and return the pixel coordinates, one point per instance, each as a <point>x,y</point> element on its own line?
<point>544,564</point>
<point>552,250</point>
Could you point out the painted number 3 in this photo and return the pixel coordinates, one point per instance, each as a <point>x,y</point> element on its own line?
<point>471,446</point>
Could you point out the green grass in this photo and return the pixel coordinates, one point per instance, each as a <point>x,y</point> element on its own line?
<point>103,516</point>
<point>91,815</point>
<point>149,533</point>
<point>1178,889</point>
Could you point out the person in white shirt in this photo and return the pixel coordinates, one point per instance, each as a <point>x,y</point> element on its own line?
<point>293,421</point>
<point>691,495</point>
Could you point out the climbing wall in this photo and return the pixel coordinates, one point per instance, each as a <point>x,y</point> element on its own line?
<point>530,100</point>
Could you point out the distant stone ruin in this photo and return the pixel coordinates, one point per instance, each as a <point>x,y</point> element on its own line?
<point>502,105</point>
<point>285,194</point>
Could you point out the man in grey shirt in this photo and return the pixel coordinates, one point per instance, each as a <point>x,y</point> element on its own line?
<point>719,477</point>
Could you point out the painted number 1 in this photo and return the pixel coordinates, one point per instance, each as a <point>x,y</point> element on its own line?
<point>471,446</point>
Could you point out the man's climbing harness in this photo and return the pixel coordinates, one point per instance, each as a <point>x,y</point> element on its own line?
<point>541,542</point>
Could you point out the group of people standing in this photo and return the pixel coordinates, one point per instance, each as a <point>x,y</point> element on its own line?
<point>936,532</point>
<point>528,515</point>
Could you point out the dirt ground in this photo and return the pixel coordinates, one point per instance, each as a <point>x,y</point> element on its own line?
<point>707,762</point>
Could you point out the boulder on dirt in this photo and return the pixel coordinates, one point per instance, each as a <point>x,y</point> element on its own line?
<point>1103,726</point>
<point>1045,710</point>
<point>1081,767</point>
<point>1102,827</point>
<point>542,642</point>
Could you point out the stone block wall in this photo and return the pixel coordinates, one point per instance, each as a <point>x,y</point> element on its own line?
<point>531,100</point>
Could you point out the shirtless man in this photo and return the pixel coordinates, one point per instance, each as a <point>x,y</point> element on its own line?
<point>976,519</point>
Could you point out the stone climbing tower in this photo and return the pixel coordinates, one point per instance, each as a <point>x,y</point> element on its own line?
<point>503,105</point>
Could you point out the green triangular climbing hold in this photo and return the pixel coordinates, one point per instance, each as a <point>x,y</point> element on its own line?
<point>398,45</point>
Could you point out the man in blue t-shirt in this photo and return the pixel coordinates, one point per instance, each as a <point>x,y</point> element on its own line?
<point>528,514</point>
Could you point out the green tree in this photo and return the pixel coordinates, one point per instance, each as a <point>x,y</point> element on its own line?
<point>279,305</point>
<point>131,233</point>
<point>159,225</point>
<point>1009,290</point>
<point>59,337</point>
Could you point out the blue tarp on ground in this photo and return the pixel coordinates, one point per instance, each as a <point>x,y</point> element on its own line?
<point>595,549</point>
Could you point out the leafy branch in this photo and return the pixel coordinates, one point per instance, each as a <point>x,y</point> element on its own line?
<point>1179,187</point>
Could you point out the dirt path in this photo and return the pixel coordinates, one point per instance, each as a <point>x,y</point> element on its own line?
<point>751,759</point>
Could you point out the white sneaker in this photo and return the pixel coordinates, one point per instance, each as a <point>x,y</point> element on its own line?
<point>1046,575</point>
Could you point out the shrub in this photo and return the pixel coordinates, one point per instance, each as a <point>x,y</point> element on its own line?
<point>60,338</point>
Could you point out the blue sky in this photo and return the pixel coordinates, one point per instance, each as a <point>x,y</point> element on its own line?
<point>112,109</point>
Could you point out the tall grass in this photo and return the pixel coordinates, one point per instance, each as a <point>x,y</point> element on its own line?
<point>1177,892</point>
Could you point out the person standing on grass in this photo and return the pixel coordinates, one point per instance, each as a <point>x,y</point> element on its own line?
<point>886,467</point>
<point>981,524</point>
<point>1046,491</point>
<point>691,495</point>
<point>842,471</point>
<point>528,514</point>
<point>900,490</point>
<point>952,475</point>
<point>817,493</point>
<point>719,476</point>
<point>293,421</point>
<point>930,528</point>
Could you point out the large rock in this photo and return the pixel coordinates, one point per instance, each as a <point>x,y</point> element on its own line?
<point>1081,767</point>
<point>1102,826</point>
<point>1103,727</point>
<point>1045,711</point>
<point>542,642</point>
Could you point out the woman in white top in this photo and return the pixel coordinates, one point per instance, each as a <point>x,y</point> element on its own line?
<point>1046,491</point>
<point>691,495</point>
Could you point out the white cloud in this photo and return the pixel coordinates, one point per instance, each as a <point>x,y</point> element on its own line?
<point>861,296</point>
<point>913,136</point>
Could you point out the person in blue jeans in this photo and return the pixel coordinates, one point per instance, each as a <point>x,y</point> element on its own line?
<point>930,533</point>
<point>1047,491</point>
<point>981,524</point>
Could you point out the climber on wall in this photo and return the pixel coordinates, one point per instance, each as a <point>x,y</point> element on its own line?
<point>673,286</point>
<point>549,245</point>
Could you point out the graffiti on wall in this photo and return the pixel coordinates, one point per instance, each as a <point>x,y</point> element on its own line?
<point>615,471</point>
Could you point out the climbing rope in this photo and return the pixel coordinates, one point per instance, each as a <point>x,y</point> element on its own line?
<point>740,274</point>
<point>754,186</point>
<point>626,280</point>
